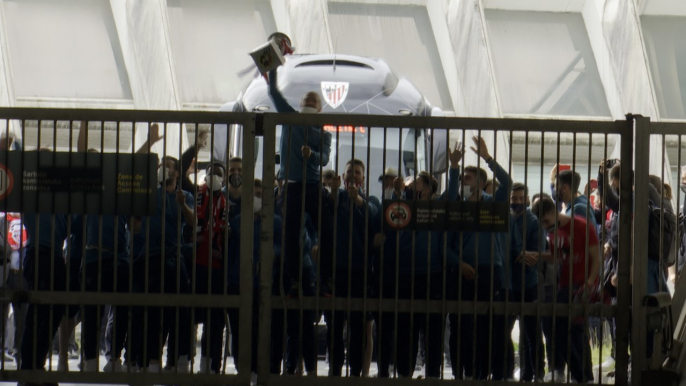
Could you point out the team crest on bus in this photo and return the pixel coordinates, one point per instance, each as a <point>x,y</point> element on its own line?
<point>335,92</point>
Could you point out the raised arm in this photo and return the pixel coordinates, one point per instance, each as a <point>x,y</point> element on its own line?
<point>280,102</point>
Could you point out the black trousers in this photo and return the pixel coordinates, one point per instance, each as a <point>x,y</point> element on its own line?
<point>46,322</point>
<point>162,321</point>
<point>121,313</point>
<point>475,337</point>
<point>211,318</point>
<point>409,326</point>
<point>294,211</point>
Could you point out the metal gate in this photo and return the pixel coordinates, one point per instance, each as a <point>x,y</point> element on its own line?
<point>282,283</point>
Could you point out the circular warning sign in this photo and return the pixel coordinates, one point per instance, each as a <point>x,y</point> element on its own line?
<point>6,182</point>
<point>398,215</point>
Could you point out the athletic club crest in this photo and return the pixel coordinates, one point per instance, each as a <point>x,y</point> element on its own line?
<point>335,93</point>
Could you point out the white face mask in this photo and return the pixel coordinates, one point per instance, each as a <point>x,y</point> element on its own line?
<point>467,191</point>
<point>308,110</point>
<point>162,174</point>
<point>214,183</point>
<point>256,204</point>
<point>388,194</point>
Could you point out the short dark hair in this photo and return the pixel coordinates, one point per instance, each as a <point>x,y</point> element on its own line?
<point>356,162</point>
<point>656,182</point>
<point>543,206</point>
<point>429,180</point>
<point>329,173</point>
<point>616,171</point>
<point>541,195</point>
<point>217,164</point>
<point>571,178</point>
<point>258,183</point>
<point>517,186</point>
<point>177,165</point>
<point>478,172</point>
<point>236,159</point>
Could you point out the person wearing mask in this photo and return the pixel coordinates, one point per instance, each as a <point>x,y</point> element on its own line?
<point>524,276</point>
<point>304,151</point>
<point>387,180</point>
<point>397,249</point>
<point>174,207</point>
<point>211,236</point>
<point>257,186</point>
<point>481,253</point>
<point>568,238</point>
<point>44,270</point>
<point>356,217</point>
<point>234,184</point>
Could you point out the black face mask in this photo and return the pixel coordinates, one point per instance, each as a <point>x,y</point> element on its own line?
<point>235,180</point>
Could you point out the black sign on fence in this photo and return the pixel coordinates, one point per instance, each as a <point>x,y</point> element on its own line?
<point>452,216</point>
<point>83,183</point>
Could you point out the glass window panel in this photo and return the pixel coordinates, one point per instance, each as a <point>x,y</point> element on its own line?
<point>666,50</point>
<point>65,49</point>
<point>544,64</point>
<point>211,40</point>
<point>400,35</point>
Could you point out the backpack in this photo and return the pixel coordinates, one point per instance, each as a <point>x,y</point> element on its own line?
<point>662,227</point>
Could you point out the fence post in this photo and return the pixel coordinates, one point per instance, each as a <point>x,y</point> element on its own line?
<point>266,247</point>
<point>640,246</point>
<point>623,317</point>
<point>246,256</point>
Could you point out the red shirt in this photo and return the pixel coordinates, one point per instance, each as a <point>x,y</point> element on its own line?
<point>203,232</point>
<point>566,247</point>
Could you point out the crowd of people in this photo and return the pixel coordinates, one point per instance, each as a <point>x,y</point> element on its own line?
<point>330,240</point>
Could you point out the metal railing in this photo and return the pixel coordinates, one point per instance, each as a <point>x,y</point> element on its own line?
<point>359,276</point>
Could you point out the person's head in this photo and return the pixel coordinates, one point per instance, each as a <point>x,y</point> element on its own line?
<point>567,185</point>
<point>327,177</point>
<point>311,103</point>
<point>683,176</point>
<point>215,176</point>
<point>540,195</point>
<point>519,198</point>
<point>667,191</point>
<point>545,210</point>
<point>473,181</point>
<point>235,172</point>
<point>614,176</point>
<point>425,186</point>
<point>169,169</point>
<point>491,186</point>
<point>388,177</point>
<point>354,172</point>
<point>258,188</point>
<point>656,182</point>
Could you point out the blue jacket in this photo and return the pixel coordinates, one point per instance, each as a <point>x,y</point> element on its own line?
<point>533,244</point>
<point>108,225</point>
<point>482,247</point>
<point>293,139</point>
<point>579,207</point>
<point>235,250</point>
<point>46,231</point>
<point>426,243</point>
<point>359,227</point>
<point>171,218</point>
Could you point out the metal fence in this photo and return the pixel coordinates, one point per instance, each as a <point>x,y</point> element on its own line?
<point>380,279</point>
